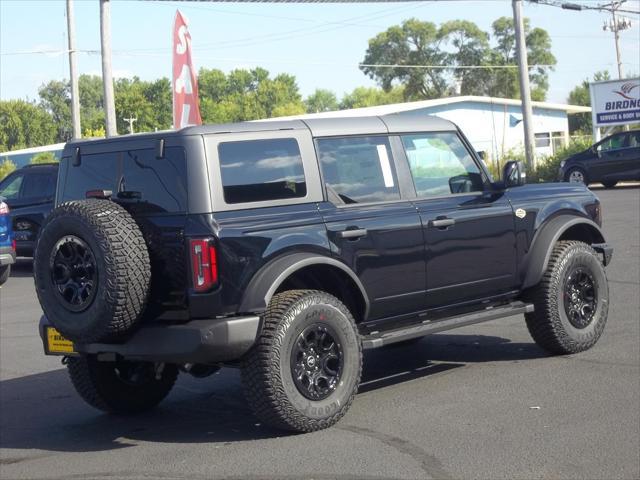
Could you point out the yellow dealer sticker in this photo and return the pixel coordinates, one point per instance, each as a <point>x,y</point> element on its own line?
<point>56,343</point>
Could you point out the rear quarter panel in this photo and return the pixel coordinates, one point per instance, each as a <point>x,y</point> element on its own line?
<point>248,240</point>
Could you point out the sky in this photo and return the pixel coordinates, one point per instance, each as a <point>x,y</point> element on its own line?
<point>321,44</point>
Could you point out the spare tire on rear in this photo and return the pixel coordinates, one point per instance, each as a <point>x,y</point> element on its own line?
<point>92,270</point>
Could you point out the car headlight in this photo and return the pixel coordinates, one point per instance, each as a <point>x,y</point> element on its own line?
<point>562,163</point>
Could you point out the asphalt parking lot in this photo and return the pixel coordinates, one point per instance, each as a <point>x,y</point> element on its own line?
<point>480,402</point>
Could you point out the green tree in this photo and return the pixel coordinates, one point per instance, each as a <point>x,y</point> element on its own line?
<point>44,157</point>
<point>91,102</point>
<point>581,122</point>
<point>466,44</point>
<point>247,95</point>
<point>505,80</point>
<point>24,124</point>
<point>412,43</point>
<point>453,45</point>
<point>6,167</point>
<point>370,97</point>
<point>321,101</point>
<point>55,98</point>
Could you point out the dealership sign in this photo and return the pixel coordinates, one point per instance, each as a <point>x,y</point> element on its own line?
<point>615,102</point>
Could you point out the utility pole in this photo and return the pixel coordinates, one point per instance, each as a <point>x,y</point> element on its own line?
<point>616,26</point>
<point>130,121</point>
<point>525,90</point>
<point>73,73</point>
<point>107,75</point>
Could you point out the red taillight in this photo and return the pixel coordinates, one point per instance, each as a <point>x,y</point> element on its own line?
<point>4,208</point>
<point>13,244</point>
<point>204,264</point>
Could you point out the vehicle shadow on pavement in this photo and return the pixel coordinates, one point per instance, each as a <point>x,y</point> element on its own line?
<point>44,412</point>
<point>22,268</point>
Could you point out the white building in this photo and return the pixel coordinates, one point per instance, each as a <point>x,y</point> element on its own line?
<point>492,125</point>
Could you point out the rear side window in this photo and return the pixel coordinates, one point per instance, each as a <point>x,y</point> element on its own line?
<point>259,170</point>
<point>40,185</point>
<point>358,169</point>
<point>134,176</point>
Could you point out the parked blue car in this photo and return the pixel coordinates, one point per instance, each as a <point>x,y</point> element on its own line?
<point>7,243</point>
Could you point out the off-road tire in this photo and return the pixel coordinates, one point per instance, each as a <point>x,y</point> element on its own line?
<point>267,372</point>
<point>122,270</point>
<point>100,386</point>
<point>549,324</point>
<point>5,271</point>
<point>609,184</point>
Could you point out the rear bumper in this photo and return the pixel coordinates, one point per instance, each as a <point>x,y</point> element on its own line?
<point>606,250</point>
<point>7,256</point>
<point>198,341</point>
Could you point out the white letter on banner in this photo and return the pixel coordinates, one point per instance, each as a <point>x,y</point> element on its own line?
<point>183,82</point>
<point>182,46</point>
<point>184,120</point>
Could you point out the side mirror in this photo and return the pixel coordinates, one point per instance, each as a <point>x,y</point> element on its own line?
<point>513,174</point>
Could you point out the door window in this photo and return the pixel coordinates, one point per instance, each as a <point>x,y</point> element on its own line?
<point>10,188</point>
<point>441,165</point>
<point>358,169</point>
<point>261,170</point>
<point>634,139</point>
<point>613,143</point>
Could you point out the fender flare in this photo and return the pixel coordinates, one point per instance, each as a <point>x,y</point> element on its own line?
<point>265,283</point>
<point>536,261</point>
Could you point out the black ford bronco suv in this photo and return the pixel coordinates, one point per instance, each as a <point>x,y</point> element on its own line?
<point>286,248</point>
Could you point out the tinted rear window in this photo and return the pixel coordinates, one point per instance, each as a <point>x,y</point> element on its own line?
<point>259,170</point>
<point>135,176</point>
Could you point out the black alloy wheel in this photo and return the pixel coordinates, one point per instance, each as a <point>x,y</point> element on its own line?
<point>73,272</point>
<point>317,361</point>
<point>580,298</point>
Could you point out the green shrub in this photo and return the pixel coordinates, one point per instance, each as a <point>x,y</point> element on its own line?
<point>547,168</point>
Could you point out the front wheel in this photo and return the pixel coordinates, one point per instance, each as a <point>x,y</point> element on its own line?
<point>303,373</point>
<point>609,184</point>
<point>571,301</point>
<point>121,387</point>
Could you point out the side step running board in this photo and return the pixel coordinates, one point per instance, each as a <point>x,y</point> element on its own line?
<point>380,339</point>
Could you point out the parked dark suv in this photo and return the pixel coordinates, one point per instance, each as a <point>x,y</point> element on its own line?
<point>286,248</point>
<point>29,192</point>
<point>613,159</point>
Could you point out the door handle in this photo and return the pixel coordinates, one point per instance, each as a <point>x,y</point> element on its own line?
<point>442,222</point>
<point>353,234</point>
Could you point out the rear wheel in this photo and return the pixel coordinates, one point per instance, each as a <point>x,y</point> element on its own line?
<point>576,175</point>
<point>5,271</point>
<point>303,373</point>
<point>121,386</point>
<point>571,301</point>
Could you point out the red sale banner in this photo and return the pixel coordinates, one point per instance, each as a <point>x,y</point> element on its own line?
<point>186,109</point>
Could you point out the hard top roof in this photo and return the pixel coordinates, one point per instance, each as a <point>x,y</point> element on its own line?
<point>392,123</point>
